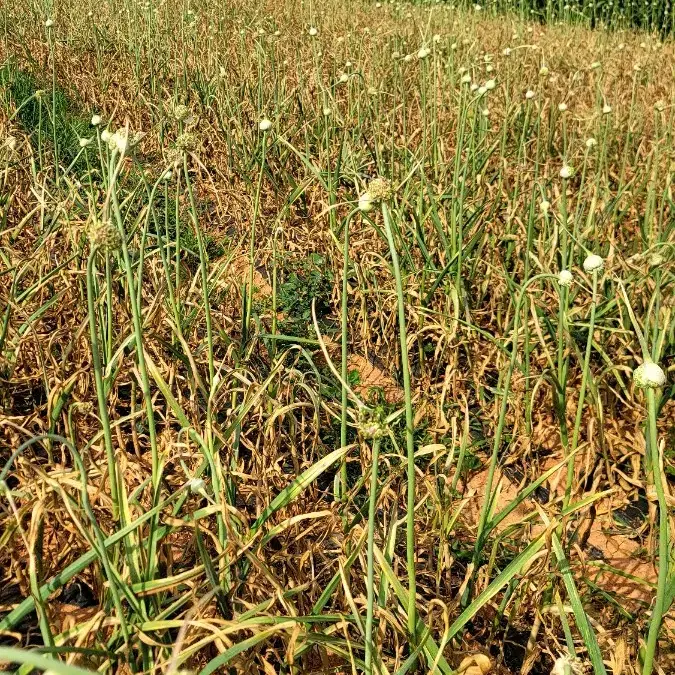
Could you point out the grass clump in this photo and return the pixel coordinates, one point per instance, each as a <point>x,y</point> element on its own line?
<point>48,117</point>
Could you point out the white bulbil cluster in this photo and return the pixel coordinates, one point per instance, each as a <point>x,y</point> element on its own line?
<point>649,375</point>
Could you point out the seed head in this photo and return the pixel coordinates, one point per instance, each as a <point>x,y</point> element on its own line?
<point>84,142</point>
<point>482,90</point>
<point>119,141</point>
<point>104,236</point>
<point>507,51</point>
<point>180,112</point>
<point>423,53</point>
<point>380,189</point>
<point>466,79</point>
<point>49,23</point>
<point>123,140</point>
<point>529,94</point>
<point>95,120</point>
<point>366,202</point>
<point>567,664</point>
<point>591,143</point>
<point>344,78</point>
<point>186,142</point>
<point>606,109</point>
<point>562,107</point>
<point>265,125</point>
<point>656,260</point>
<point>565,278</point>
<point>544,206</point>
<point>106,135</point>
<point>566,171</point>
<point>649,375</point>
<point>490,85</point>
<point>371,425</point>
<point>543,71</point>
<point>196,485</point>
<point>313,31</point>
<point>593,263</point>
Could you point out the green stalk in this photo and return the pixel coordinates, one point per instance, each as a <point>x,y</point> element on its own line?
<point>256,210</point>
<point>214,465</point>
<point>56,147</point>
<point>344,373</point>
<point>100,389</point>
<point>372,506</point>
<point>487,503</point>
<point>582,394</point>
<point>203,267</point>
<point>409,426</point>
<point>664,540</point>
<point>142,368</point>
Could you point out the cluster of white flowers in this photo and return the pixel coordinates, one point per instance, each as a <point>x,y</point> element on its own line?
<point>593,263</point>
<point>565,278</point>
<point>379,189</point>
<point>567,665</point>
<point>649,375</point>
<point>366,202</point>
